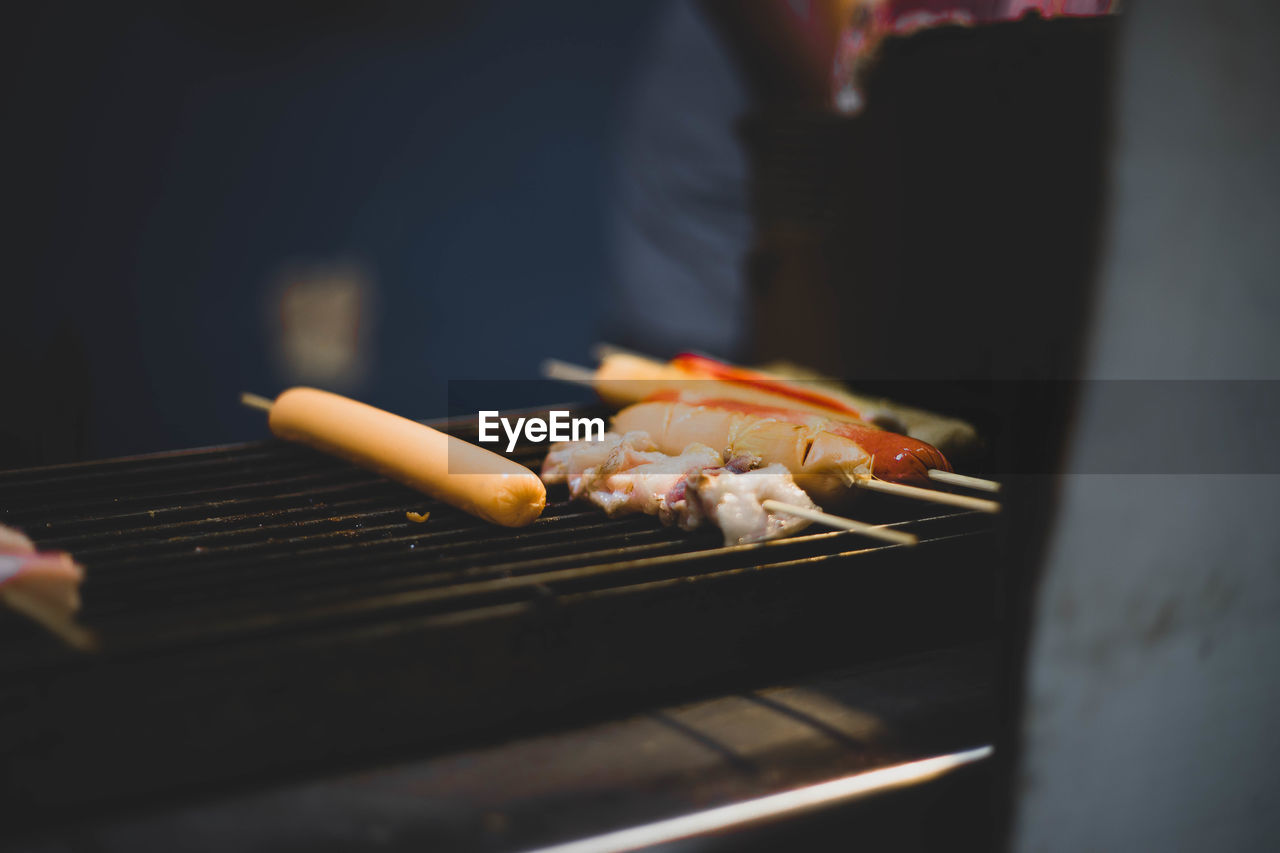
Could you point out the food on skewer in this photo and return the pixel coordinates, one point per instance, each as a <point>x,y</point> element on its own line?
<point>826,457</point>
<point>951,435</point>
<point>819,462</point>
<point>623,378</point>
<point>754,505</point>
<point>822,454</point>
<point>897,435</point>
<point>627,473</point>
<point>42,585</point>
<point>447,468</point>
<point>895,458</point>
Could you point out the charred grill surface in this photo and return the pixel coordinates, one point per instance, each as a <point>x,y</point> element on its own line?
<point>267,612</point>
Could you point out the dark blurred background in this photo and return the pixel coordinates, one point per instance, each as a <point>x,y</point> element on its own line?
<point>379,197</point>
<point>200,192</point>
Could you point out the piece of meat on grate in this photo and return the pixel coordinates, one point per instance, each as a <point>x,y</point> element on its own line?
<point>626,473</point>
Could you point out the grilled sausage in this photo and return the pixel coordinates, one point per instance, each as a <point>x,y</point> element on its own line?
<point>447,468</point>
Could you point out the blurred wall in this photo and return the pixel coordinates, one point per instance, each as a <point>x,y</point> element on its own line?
<point>425,181</point>
<point>1153,687</point>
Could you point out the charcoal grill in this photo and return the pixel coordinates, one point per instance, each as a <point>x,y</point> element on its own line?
<point>266,612</point>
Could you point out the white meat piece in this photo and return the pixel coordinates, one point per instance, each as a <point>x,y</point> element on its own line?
<point>626,473</point>
<point>632,480</point>
<point>733,501</point>
<point>569,461</point>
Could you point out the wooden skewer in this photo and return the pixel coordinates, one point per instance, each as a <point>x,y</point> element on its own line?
<point>602,350</point>
<point>904,491</point>
<point>898,537</point>
<point>553,368</point>
<point>255,401</point>
<point>964,480</point>
<point>54,615</point>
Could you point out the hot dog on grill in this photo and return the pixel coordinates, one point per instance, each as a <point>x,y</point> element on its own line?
<point>447,468</point>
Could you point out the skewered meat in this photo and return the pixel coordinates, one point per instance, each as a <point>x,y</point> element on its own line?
<point>623,379</point>
<point>734,502</point>
<point>627,473</point>
<point>822,454</point>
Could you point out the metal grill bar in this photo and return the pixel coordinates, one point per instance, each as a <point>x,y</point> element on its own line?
<point>275,534</point>
<point>269,577</point>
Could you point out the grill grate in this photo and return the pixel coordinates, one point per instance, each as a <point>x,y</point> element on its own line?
<point>240,590</point>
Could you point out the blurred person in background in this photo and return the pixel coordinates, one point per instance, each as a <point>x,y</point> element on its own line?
<point>737,145</point>
<point>682,226</point>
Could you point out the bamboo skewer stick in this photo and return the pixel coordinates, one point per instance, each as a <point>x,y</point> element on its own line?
<point>255,401</point>
<point>553,368</point>
<point>904,491</point>
<point>874,531</point>
<point>603,349</point>
<point>963,480</point>
<point>54,615</point>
